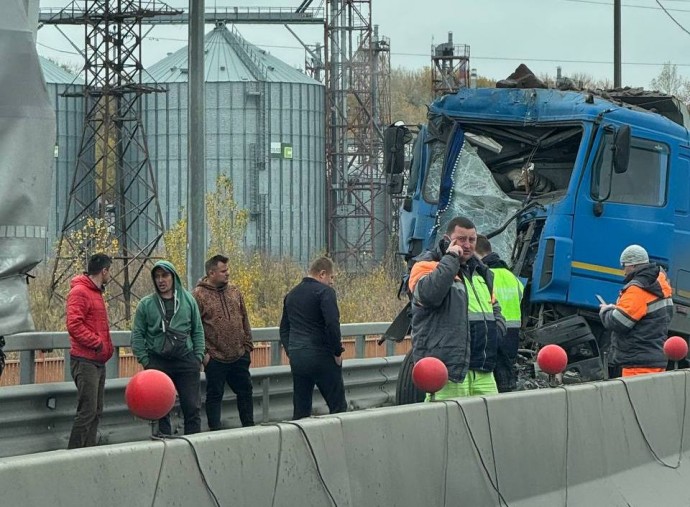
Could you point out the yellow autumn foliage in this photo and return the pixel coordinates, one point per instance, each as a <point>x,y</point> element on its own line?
<point>263,280</point>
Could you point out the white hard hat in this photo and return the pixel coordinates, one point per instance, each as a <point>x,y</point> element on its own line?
<point>633,255</point>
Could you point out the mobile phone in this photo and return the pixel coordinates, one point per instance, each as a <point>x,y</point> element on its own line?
<point>600,299</point>
<point>444,244</point>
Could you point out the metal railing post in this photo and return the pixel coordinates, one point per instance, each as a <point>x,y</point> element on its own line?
<point>360,343</point>
<point>27,367</point>
<point>112,367</point>
<point>265,397</point>
<point>67,366</point>
<point>275,353</point>
<point>390,348</point>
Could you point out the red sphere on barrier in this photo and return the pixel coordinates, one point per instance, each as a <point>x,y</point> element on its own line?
<point>552,359</point>
<point>429,374</point>
<point>676,348</point>
<point>150,394</point>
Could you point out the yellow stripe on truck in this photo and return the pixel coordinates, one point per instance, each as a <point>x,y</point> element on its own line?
<point>595,267</point>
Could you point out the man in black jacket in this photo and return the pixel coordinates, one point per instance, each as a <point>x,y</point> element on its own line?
<point>310,334</point>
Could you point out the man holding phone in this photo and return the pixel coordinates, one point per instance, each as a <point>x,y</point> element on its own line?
<point>455,316</point>
<point>640,318</point>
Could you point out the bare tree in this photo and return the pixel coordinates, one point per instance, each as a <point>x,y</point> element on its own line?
<point>71,67</point>
<point>671,82</point>
<point>603,84</point>
<point>547,79</point>
<point>582,80</point>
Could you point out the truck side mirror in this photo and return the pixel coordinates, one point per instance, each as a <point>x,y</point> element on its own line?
<point>395,138</point>
<point>395,184</point>
<point>621,149</point>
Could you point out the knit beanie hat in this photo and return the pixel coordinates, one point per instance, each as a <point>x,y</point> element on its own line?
<point>633,255</point>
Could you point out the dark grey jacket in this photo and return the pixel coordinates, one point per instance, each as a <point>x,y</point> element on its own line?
<point>639,322</point>
<point>440,325</point>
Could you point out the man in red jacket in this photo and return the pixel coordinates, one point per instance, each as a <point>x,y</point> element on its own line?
<point>90,347</point>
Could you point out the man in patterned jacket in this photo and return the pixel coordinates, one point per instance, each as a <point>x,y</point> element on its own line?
<point>228,342</point>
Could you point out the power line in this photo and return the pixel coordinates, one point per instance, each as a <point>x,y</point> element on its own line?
<point>506,58</point>
<point>426,55</point>
<point>561,60</point>
<point>632,6</point>
<point>58,50</point>
<point>672,18</point>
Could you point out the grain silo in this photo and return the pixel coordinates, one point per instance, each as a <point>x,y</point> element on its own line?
<point>264,129</point>
<point>69,113</point>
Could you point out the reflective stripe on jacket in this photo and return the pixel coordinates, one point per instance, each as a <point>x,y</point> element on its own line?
<point>487,324</point>
<point>508,291</point>
<point>440,325</point>
<point>640,319</point>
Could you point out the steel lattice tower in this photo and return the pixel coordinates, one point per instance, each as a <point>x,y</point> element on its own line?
<point>450,67</point>
<point>357,71</point>
<point>113,185</point>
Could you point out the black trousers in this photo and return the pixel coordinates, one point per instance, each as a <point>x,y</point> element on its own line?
<point>505,372</point>
<point>237,376</point>
<point>89,377</point>
<point>186,375</point>
<point>318,368</point>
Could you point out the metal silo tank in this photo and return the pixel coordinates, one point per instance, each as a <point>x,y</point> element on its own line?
<point>264,129</point>
<point>69,112</point>
<point>296,183</point>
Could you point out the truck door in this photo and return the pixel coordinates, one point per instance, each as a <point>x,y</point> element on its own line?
<point>680,247</point>
<point>615,210</point>
<point>418,212</point>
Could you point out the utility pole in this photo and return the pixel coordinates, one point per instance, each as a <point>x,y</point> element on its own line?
<point>617,43</point>
<point>196,153</point>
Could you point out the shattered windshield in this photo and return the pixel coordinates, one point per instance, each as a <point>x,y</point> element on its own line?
<point>501,168</point>
<point>476,195</point>
<point>432,184</point>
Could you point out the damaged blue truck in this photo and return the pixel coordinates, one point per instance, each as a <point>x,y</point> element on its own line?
<point>562,182</point>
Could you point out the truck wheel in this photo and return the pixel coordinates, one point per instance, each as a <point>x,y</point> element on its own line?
<point>405,391</point>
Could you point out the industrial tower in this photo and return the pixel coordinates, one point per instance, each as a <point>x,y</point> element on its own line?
<point>357,82</point>
<point>357,74</point>
<point>113,194</point>
<point>450,67</point>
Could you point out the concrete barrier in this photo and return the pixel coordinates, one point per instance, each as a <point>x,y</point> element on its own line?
<point>613,443</point>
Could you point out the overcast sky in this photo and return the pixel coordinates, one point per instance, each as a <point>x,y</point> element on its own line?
<point>575,34</point>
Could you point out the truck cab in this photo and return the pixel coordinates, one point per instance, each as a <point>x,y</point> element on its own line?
<point>561,182</point>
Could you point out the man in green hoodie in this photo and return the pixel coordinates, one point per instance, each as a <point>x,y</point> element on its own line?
<point>167,335</point>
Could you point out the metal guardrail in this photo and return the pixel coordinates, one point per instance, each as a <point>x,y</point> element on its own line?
<point>38,417</point>
<point>28,343</point>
